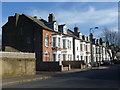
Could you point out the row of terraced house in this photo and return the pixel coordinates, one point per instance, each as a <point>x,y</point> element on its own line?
<point>54,45</point>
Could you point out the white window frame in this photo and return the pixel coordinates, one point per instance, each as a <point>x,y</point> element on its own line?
<point>59,45</point>
<point>47,40</point>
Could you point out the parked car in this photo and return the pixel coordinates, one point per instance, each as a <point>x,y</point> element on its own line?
<point>106,62</point>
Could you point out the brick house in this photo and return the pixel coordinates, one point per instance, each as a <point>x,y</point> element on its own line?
<point>29,34</point>
<point>53,44</point>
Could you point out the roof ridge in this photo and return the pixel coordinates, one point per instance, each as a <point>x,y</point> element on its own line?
<point>39,22</point>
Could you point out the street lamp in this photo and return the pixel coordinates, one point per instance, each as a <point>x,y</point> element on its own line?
<point>91,38</point>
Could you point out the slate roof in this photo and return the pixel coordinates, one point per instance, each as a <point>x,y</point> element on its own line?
<point>38,22</point>
<point>70,33</point>
<point>43,23</point>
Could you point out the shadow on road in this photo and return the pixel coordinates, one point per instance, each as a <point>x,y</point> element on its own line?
<point>111,73</point>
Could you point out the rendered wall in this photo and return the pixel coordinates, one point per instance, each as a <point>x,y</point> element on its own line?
<point>19,64</point>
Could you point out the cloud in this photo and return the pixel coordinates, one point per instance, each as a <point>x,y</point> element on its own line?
<point>60,1</point>
<point>114,29</point>
<point>75,16</point>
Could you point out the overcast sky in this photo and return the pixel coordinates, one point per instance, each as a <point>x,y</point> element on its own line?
<point>85,15</point>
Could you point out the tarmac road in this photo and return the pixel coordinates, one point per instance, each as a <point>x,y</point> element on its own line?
<point>93,78</point>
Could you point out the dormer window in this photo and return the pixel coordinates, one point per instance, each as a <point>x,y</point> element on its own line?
<point>80,35</point>
<point>55,26</point>
<point>65,29</point>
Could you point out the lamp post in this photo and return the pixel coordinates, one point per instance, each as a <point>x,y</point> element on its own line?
<point>91,38</point>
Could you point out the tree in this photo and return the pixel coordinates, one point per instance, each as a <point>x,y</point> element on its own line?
<point>113,39</point>
<point>110,36</point>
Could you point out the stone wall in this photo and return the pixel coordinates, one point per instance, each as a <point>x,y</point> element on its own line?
<point>15,64</point>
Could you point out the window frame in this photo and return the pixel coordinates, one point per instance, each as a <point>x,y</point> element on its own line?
<point>47,41</point>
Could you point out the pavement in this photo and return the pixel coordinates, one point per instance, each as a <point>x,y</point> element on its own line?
<point>41,75</point>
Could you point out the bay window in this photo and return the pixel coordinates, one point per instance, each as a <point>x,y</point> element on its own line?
<point>46,56</point>
<point>64,44</point>
<point>64,57</point>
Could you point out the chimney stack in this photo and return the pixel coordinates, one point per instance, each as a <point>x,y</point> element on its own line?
<point>100,41</point>
<point>93,41</point>
<point>91,37</point>
<point>76,31</point>
<point>51,17</point>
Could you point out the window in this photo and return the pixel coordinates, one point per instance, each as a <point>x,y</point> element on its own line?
<point>55,26</point>
<point>77,57</point>
<point>54,57</point>
<point>28,40</point>
<point>64,46</point>
<point>59,42</point>
<point>65,30</point>
<point>68,43</point>
<point>81,58</point>
<point>68,57</point>
<point>46,56</point>
<point>77,47</point>
<point>86,48</point>
<point>81,46</point>
<point>54,41</point>
<point>96,59</point>
<point>64,57</point>
<point>46,40</point>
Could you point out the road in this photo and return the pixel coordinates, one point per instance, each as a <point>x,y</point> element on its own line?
<point>94,78</point>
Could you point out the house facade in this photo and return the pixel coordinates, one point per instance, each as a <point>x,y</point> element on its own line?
<point>52,43</point>
<point>67,48</point>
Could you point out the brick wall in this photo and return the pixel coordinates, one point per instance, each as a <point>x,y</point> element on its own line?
<point>73,64</point>
<point>50,66</point>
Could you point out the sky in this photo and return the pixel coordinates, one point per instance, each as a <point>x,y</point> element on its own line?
<point>84,15</point>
